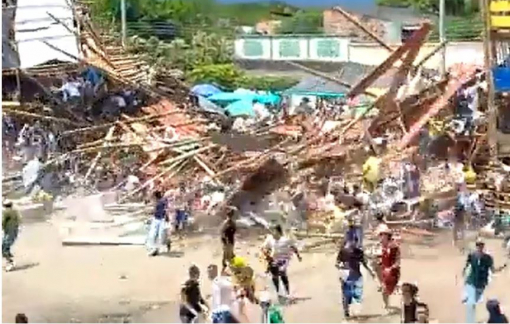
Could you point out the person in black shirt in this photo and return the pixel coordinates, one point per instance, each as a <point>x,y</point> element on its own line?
<point>411,307</point>
<point>192,303</point>
<point>228,232</point>
<point>349,261</point>
<point>495,314</point>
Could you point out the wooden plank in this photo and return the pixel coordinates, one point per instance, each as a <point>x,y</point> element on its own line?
<point>364,83</point>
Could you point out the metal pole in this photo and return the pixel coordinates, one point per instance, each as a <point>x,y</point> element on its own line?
<point>442,36</point>
<point>489,62</point>
<point>123,21</point>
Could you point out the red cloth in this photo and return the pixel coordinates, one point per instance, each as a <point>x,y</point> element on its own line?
<point>390,276</point>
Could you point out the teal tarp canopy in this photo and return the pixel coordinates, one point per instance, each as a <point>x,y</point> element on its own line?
<point>241,108</point>
<point>242,94</point>
<point>318,87</point>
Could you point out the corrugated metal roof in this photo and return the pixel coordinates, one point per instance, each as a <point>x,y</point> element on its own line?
<point>34,26</point>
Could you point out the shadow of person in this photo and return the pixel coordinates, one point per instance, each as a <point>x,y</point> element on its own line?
<point>25,266</point>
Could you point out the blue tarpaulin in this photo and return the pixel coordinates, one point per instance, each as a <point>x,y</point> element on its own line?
<point>205,90</point>
<point>501,79</point>
<point>241,108</point>
<point>268,98</point>
<point>244,94</point>
<point>209,106</point>
<point>231,96</point>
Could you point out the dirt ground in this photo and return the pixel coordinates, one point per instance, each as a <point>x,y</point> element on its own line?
<point>121,284</point>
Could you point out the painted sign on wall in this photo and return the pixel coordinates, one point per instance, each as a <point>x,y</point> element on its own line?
<point>316,48</point>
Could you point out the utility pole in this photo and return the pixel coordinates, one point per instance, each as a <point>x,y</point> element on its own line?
<point>489,63</point>
<point>442,35</point>
<point>123,21</point>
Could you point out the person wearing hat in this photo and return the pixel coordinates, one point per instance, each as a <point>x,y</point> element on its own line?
<point>390,265</point>
<point>10,227</point>
<point>228,233</point>
<point>479,265</point>
<point>244,278</point>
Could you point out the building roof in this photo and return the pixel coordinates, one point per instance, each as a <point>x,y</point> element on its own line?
<point>34,28</point>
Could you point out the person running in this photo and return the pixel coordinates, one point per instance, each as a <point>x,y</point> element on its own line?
<point>479,265</point>
<point>193,305</point>
<point>412,309</point>
<point>181,209</point>
<point>459,220</point>
<point>157,231</point>
<point>349,259</point>
<point>495,314</point>
<point>223,296</point>
<point>228,232</point>
<point>380,226</point>
<point>278,250</point>
<point>390,266</point>
<point>244,278</point>
<point>10,226</point>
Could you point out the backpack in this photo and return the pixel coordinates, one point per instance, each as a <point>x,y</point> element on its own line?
<point>274,315</point>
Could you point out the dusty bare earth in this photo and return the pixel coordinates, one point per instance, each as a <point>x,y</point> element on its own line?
<point>121,284</point>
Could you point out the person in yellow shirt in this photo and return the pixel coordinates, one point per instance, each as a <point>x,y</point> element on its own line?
<point>371,172</point>
<point>243,278</point>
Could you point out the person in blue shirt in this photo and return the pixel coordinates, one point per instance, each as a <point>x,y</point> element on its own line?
<point>158,226</point>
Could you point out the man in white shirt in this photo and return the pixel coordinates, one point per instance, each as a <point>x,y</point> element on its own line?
<point>260,111</point>
<point>278,250</point>
<point>70,90</point>
<point>223,297</point>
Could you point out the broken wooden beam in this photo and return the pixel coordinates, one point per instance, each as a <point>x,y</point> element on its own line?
<point>7,111</point>
<point>364,83</point>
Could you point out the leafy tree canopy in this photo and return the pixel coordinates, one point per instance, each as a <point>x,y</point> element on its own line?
<point>452,7</point>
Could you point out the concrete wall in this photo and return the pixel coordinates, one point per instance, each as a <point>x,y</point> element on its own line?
<point>339,49</point>
<point>371,54</point>
<point>298,48</point>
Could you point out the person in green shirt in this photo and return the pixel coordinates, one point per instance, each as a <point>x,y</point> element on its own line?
<point>10,227</point>
<point>480,265</point>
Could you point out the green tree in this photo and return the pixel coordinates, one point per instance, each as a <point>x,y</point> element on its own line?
<point>303,22</point>
<point>452,7</point>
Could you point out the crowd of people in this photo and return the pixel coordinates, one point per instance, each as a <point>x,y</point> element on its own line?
<point>234,281</point>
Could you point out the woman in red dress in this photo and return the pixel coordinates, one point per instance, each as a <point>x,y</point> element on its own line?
<point>390,265</point>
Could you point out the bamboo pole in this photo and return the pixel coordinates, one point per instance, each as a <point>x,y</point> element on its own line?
<point>188,154</point>
<point>430,55</point>
<point>8,104</point>
<point>102,55</point>
<point>100,153</point>
<point>132,120</point>
<point>113,74</point>
<point>156,177</point>
<point>38,116</point>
